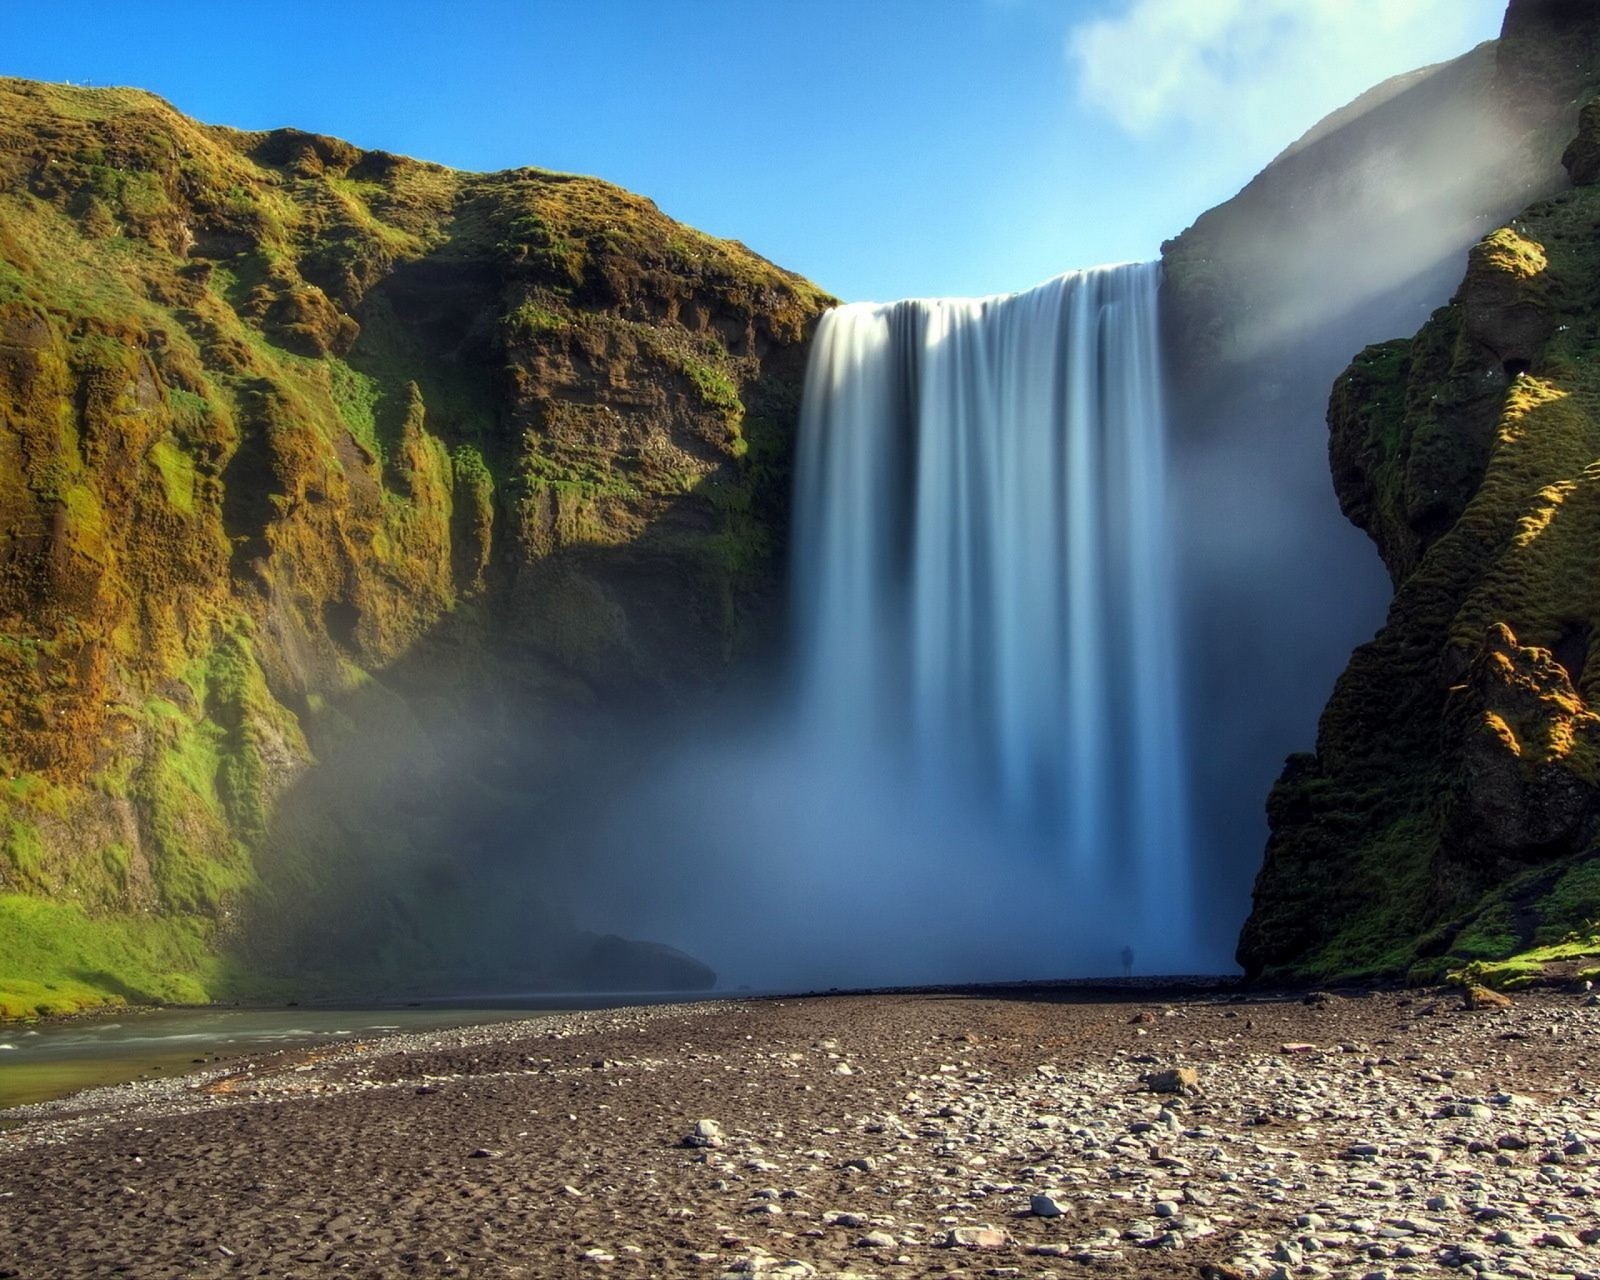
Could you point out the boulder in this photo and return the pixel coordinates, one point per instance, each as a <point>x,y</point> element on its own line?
<point>1175,1080</point>
<point>1481,997</point>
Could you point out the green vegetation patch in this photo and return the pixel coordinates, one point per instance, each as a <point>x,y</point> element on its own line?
<point>1526,968</point>
<point>55,958</point>
<point>176,469</point>
<point>357,396</point>
<point>23,851</point>
<point>1386,898</point>
<point>533,320</point>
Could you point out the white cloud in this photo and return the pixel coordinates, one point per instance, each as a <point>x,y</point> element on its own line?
<point>1258,73</point>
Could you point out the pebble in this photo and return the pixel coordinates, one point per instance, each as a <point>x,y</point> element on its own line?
<point>706,1133</point>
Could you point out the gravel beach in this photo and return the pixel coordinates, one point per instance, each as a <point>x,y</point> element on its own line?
<point>1028,1132</point>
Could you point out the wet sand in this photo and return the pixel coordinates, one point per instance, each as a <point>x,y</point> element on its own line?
<point>871,1135</point>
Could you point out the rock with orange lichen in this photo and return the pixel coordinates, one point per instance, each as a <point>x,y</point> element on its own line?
<point>1525,746</point>
<point>1481,997</point>
<point>1448,814</point>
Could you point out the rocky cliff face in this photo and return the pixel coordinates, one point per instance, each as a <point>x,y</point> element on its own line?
<point>1355,233</point>
<point>322,472</point>
<point>1450,813</point>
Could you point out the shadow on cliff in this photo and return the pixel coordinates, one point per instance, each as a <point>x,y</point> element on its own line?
<point>422,853</point>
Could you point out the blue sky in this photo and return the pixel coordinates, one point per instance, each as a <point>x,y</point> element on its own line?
<point>882,147</point>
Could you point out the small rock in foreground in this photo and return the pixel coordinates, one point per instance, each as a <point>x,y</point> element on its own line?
<point>1046,1205</point>
<point>975,1238</point>
<point>706,1133</point>
<point>1177,1080</point>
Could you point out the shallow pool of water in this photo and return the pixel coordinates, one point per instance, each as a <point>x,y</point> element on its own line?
<point>51,1059</point>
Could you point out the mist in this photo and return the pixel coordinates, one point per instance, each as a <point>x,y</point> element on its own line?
<point>786,867</point>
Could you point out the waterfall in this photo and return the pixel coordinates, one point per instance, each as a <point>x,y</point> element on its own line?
<point>985,605</point>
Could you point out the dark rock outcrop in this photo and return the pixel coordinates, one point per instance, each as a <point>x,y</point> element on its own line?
<point>611,963</point>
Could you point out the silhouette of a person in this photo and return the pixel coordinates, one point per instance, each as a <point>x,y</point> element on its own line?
<point>1127,962</point>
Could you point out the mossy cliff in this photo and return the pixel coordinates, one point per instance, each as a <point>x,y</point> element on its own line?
<point>1355,233</point>
<point>1451,812</point>
<point>307,454</point>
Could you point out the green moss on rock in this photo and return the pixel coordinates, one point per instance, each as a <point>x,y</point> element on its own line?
<point>293,434</point>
